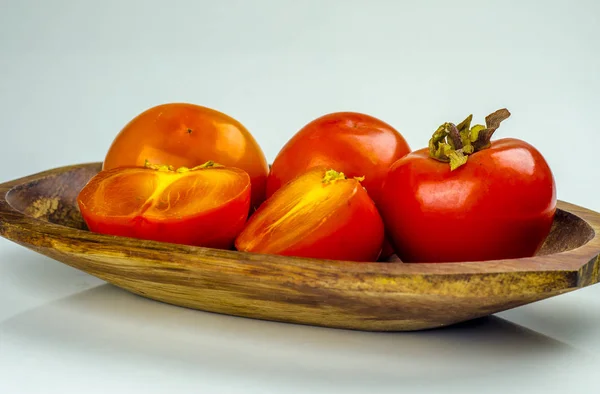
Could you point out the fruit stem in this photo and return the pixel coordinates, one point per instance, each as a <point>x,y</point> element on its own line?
<point>454,143</point>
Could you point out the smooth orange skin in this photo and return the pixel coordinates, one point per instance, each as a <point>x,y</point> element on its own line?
<point>353,143</point>
<point>499,205</point>
<point>214,228</point>
<point>353,231</point>
<point>188,135</point>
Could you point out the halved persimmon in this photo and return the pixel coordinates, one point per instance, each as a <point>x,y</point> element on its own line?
<point>204,206</point>
<point>320,214</point>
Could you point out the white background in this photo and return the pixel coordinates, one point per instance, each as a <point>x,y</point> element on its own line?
<point>72,73</point>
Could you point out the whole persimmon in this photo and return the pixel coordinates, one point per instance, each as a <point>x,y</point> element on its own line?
<point>187,135</point>
<point>468,197</point>
<point>356,144</point>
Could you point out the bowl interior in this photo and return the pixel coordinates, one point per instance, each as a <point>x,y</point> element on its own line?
<point>54,199</point>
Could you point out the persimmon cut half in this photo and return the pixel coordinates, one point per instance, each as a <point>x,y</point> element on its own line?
<point>320,214</point>
<point>203,206</point>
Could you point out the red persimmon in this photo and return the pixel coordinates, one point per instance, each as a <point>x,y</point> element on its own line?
<point>354,143</point>
<point>467,198</point>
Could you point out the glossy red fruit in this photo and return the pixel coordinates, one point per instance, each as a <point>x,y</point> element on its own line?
<point>353,143</point>
<point>499,204</point>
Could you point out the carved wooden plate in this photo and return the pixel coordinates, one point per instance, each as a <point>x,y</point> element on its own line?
<point>40,213</point>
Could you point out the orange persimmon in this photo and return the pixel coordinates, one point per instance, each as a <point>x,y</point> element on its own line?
<point>187,135</point>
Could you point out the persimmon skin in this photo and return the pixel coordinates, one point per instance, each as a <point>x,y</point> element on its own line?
<point>359,145</point>
<point>499,205</point>
<point>215,227</point>
<point>310,218</point>
<point>187,135</point>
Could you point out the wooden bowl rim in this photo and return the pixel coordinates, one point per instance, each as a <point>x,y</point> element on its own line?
<point>569,260</point>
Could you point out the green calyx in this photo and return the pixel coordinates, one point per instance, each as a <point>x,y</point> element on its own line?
<point>454,143</point>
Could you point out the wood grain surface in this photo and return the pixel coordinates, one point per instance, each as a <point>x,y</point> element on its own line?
<point>40,212</point>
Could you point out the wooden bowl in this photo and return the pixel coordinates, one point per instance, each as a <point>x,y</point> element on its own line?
<point>40,213</point>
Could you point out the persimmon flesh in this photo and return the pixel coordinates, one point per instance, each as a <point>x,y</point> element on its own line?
<point>320,214</point>
<point>201,207</point>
